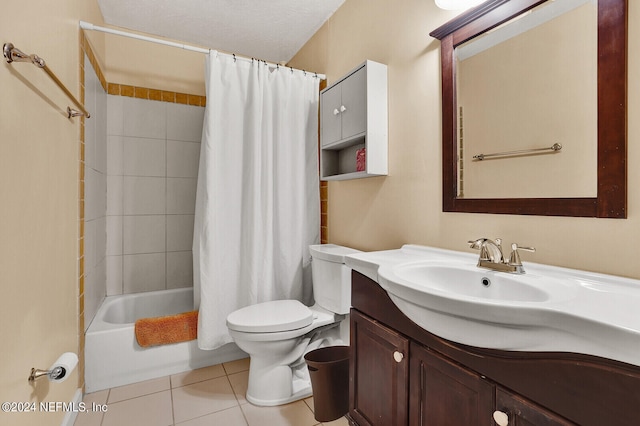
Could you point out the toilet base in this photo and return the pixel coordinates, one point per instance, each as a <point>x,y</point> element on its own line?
<point>282,376</point>
<point>271,384</point>
<point>301,394</point>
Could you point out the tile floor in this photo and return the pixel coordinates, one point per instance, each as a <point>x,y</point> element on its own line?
<point>209,396</point>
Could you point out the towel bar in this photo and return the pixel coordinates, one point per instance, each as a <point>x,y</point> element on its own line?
<point>554,148</point>
<point>13,54</point>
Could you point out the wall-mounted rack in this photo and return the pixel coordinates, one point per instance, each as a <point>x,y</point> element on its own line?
<point>12,54</point>
<point>554,148</point>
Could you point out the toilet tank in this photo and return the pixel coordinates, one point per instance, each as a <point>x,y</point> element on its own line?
<point>331,277</point>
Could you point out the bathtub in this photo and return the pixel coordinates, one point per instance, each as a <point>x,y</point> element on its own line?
<point>114,358</point>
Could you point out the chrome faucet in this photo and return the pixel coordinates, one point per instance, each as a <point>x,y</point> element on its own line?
<point>491,256</point>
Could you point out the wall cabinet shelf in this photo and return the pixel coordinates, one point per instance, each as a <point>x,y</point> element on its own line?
<point>354,122</point>
<point>402,375</point>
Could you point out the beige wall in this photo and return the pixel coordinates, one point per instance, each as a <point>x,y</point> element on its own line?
<point>406,207</point>
<point>39,226</point>
<point>154,66</point>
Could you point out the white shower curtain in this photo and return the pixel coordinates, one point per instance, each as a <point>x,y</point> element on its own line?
<point>257,201</point>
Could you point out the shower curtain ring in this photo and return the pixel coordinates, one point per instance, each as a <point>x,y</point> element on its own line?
<point>234,57</point>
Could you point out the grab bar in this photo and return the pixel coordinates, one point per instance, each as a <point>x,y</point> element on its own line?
<point>554,148</point>
<point>12,54</point>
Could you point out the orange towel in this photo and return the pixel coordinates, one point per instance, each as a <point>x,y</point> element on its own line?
<point>164,330</point>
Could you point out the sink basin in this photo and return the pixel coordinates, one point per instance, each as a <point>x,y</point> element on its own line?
<point>547,309</point>
<point>468,281</point>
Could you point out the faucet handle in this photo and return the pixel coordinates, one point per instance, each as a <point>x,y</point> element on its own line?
<point>476,244</point>
<point>489,250</point>
<point>514,258</point>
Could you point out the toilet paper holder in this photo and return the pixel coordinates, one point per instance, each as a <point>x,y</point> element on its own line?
<point>59,371</point>
<point>55,373</point>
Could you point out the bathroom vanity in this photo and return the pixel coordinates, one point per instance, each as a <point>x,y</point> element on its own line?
<point>402,374</point>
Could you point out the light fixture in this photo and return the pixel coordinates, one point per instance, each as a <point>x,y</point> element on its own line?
<point>457,4</point>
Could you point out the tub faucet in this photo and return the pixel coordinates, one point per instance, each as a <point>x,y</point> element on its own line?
<point>491,256</point>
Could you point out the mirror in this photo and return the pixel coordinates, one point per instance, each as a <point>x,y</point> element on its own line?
<point>527,85</point>
<point>524,75</point>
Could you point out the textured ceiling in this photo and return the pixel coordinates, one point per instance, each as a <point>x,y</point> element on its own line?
<point>272,30</point>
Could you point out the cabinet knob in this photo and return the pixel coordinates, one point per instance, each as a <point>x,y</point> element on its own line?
<point>335,111</point>
<point>398,356</point>
<point>343,108</point>
<point>501,418</point>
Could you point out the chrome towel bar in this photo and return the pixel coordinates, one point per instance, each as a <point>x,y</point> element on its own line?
<point>554,148</point>
<point>12,54</point>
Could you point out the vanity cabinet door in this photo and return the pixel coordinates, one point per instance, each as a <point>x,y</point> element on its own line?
<point>522,412</point>
<point>379,374</point>
<point>446,394</point>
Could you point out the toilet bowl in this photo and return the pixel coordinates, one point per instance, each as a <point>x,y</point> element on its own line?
<point>278,334</point>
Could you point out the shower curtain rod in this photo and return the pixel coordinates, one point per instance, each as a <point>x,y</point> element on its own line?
<point>88,26</point>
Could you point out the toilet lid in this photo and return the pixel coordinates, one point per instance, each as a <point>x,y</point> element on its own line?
<point>270,317</point>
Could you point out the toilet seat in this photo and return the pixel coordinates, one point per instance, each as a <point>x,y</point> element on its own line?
<point>270,317</point>
<point>319,317</point>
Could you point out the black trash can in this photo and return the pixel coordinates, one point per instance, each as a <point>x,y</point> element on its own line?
<point>329,373</point>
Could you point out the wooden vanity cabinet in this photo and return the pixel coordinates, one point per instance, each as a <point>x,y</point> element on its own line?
<point>522,412</point>
<point>400,374</point>
<point>379,382</point>
<point>444,393</point>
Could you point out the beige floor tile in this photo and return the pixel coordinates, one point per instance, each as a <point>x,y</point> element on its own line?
<point>199,375</point>
<point>99,397</point>
<point>236,366</point>
<point>88,419</point>
<point>208,396</point>
<point>134,390</point>
<point>148,410</point>
<point>92,418</point>
<point>202,398</point>
<point>239,383</point>
<point>309,402</point>
<point>229,417</point>
<point>342,421</point>
<point>294,414</point>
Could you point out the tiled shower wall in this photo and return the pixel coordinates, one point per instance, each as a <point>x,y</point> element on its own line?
<point>95,197</point>
<point>140,170</point>
<point>152,149</point>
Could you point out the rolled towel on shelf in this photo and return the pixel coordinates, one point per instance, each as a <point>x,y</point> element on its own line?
<point>361,160</point>
<point>165,330</point>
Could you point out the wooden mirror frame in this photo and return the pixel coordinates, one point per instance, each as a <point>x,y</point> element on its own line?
<point>611,200</point>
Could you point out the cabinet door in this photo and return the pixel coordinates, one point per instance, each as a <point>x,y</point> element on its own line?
<point>354,103</point>
<point>330,116</point>
<point>444,393</point>
<point>521,412</point>
<point>378,382</point>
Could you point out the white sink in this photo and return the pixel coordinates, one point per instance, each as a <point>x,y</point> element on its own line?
<point>466,281</point>
<point>547,309</point>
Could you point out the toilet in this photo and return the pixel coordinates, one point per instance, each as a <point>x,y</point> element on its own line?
<point>278,334</point>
